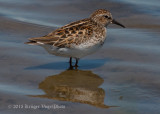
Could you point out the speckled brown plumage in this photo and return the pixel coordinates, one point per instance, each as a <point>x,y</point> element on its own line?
<point>73,33</point>
<point>78,38</point>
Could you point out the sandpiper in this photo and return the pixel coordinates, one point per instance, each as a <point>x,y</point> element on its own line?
<point>77,39</point>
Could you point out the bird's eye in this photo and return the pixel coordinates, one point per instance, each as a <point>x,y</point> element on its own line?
<point>106,16</point>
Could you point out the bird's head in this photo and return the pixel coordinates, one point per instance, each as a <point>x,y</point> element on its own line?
<point>104,18</point>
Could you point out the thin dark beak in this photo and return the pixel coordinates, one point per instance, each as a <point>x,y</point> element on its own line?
<point>117,23</point>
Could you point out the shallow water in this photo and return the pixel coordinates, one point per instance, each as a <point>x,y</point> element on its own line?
<point>121,78</point>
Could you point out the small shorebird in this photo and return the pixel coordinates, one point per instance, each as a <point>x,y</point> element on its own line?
<point>77,39</point>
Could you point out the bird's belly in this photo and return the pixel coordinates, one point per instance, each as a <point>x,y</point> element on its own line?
<point>87,49</point>
<point>77,51</point>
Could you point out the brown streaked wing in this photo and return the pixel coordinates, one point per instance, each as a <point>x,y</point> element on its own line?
<point>50,39</point>
<point>75,33</point>
<point>44,40</point>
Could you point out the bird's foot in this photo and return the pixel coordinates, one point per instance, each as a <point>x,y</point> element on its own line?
<point>76,66</point>
<point>70,67</point>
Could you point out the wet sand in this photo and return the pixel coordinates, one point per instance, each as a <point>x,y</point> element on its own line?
<point>121,78</point>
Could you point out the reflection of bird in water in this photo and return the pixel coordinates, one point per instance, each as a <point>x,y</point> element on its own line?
<point>75,86</point>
